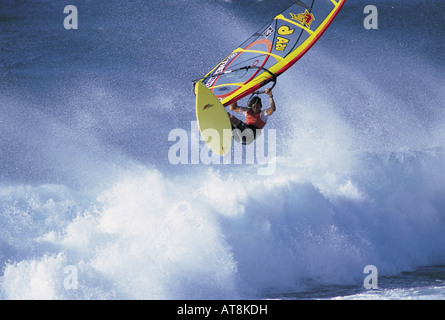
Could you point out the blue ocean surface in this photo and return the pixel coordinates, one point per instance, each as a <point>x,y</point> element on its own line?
<point>96,204</point>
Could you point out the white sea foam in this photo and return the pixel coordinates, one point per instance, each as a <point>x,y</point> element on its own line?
<point>359,177</point>
<point>213,236</point>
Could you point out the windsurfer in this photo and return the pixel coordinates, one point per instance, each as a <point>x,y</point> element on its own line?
<point>256,118</point>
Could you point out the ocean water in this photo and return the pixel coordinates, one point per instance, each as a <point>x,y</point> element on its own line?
<point>93,207</point>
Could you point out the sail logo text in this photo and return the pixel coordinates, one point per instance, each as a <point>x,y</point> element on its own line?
<point>282,42</point>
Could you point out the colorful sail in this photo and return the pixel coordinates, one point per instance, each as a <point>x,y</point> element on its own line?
<point>272,50</point>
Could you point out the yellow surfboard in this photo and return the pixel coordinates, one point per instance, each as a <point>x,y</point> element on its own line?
<point>213,120</point>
